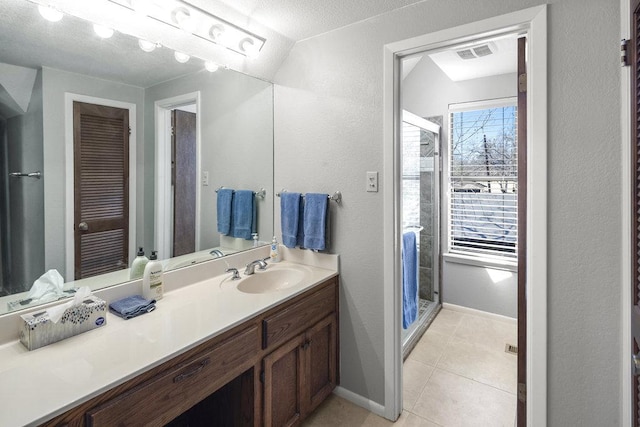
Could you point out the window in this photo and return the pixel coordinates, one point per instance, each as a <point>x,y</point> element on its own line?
<point>483,179</point>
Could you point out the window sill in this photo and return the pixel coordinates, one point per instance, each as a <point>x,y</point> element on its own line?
<point>481,262</point>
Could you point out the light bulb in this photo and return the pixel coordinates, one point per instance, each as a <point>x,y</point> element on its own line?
<point>216,31</point>
<point>182,17</point>
<point>146,45</point>
<point>211,66</point>
<point>102,31</point>
<point>181,57</point>
<point>249,48</point>
<point>50,14</point>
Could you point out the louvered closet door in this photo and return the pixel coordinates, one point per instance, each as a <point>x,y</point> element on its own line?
<point>101,195</point>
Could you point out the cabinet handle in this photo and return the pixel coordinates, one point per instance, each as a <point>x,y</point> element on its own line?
<point>191,373</point>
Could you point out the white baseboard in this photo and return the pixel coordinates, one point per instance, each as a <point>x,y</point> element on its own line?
<point>467,310</point>
<point>356,399</point>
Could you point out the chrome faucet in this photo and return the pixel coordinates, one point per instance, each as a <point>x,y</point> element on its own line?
<point>217,252</point>
<point>251,267</point>
<point>235,275</point>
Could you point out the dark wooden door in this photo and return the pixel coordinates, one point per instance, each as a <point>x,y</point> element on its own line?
<point>522,233</point>
<point>320,362</point>
<point>101,188</point>
<point>183,179</point>
<point>283,376</point>
<point>633,54</point>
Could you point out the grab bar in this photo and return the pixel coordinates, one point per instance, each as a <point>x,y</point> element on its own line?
<point>35,175</point>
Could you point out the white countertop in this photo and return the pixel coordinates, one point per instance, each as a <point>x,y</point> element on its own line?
<point>37,385</point>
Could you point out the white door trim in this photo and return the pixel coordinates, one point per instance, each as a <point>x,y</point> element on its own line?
<point>69,98</point>
<point>627,245</point>
<point>162,205</point>
<point>533,21</point>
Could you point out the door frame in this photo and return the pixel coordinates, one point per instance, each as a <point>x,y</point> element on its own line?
<point>69,99</point>
<point>627,249</point>
<point>163,200</point>
<point>533,21</point>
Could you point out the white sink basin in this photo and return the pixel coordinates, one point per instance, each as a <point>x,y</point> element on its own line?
<point>272,280</point>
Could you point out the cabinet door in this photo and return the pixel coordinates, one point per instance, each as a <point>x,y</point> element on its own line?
<point>320,361</point>
<point>283,384</point>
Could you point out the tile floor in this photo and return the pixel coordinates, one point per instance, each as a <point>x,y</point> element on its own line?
<point>457,375</point>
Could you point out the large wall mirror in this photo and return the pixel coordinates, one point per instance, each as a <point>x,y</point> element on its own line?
<point>55,79</point>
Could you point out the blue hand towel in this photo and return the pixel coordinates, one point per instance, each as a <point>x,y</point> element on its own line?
<point>132,306</point>
<point>242,214</point>
<point>225,195</point>
<point>409,279</point>
<point>290,204</point>
<point>315,220</point>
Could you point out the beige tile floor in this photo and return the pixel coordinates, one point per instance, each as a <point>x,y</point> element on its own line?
<point>457,375</point>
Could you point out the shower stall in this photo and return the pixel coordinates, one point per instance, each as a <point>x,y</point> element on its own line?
<point>420,198</point>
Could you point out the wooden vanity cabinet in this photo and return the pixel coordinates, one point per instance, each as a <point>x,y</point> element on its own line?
<point>272,370</point>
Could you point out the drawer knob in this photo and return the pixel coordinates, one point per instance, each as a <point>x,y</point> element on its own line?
<point>192,372</point>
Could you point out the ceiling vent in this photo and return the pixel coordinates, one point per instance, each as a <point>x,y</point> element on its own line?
<point>475,52</point>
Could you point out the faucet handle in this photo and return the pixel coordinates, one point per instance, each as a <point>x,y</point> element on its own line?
<point>263,263</point>
<point>235,275</point>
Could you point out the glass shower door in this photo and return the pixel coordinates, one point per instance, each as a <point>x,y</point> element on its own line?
<point>421,215</point>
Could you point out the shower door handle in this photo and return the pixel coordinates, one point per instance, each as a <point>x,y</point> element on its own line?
<point>83,226</point>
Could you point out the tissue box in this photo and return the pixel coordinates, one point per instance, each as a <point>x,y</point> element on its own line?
<point>37,330</point>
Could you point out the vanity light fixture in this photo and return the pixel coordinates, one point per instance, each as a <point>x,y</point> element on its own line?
<point>181,57</point>
<point>50,14</point>
<point>102,31</point>
<point>146,45</point>
<point>198,22</point>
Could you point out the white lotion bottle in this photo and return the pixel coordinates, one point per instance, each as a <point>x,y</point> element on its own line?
<point>138,265</point>
<point>152,286</point>
<point>273,254</point>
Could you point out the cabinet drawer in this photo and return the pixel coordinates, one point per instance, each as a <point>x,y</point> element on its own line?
<point>289,322</point>
<point>161,399</point>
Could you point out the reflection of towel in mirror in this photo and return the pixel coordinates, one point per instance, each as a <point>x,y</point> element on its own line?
<point>225,195</point>
<point>242,214</point>
<point>290,205</point>
<point>132,306</point>
<point>409,279</point>
<point>315,220</point>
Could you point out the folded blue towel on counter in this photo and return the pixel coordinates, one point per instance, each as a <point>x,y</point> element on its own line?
<point>242,214</point>
<point>409,279</point>
<point>223,207</point>
<point>290,204</point>
<point>132,306</point>
<point>315,220</point>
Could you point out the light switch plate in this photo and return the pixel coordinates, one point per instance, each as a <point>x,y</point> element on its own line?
<point>372,182</point>
<point>205,178</point>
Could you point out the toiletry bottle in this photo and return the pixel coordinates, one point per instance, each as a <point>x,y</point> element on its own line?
<point>152,286</point>
<point>255,239</point>
<point>138,264</point>
<point>275,257</point>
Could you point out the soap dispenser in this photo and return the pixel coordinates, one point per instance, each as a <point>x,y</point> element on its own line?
<point>138,264</point>
<point>152,287</point>
<point>273,254</point>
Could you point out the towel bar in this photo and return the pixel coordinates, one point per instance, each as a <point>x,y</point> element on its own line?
<point>336,197</point>
<point>35,175</point>
<point>262,193</point>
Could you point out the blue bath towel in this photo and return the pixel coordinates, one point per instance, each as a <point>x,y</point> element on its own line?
<point>315,220</point>
<point>290,204</point>
<point>409,279</point>
<point>132,306</point>
<point>225,195</point>
<point>242,214</point>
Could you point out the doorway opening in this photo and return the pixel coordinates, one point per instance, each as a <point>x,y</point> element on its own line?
<point>530,23</point>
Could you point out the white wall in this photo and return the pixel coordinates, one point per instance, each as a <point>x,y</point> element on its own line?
<point>427,91</point>
<point>55,84</point>
<point>236,147</point>
<point>328,127</point>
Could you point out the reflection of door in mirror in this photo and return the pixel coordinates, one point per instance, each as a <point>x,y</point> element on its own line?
<point>183,181</point>
<point>101,190</point>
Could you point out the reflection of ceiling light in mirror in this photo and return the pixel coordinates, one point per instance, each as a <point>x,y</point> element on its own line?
<point>249,48</point>
<point>181,57</point>
<point>102,31</point>
<point>211,66</point>
<point>182,17</point>
<point>146,45</point>
<point>216,32</point>
<point>50,14</point>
